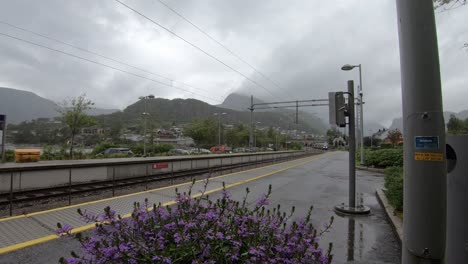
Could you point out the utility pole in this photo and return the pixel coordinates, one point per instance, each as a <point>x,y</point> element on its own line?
<point>219,126</point>
<point>145,116</point>
<point>352,146</point>
<point>425,171</point>
<point>219,130</point>
<point>251,139</point>
<point>361,113</point>
<point>144,138</point>
<point>3,129</point>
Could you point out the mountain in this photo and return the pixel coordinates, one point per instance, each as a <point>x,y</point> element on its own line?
<point>101,111</point>
<point>21,106</point>
<point>397,123</point>
<point>239,102</point>
<point>164,112</point>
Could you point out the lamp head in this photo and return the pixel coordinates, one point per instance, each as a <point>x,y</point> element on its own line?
<point>347,67</point>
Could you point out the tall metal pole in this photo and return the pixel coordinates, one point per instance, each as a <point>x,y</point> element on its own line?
<point>352,146</point>
<point>351,208</point>
<point>3,126</point>
<point>425,180</point>
<point>144,138</point>
<point>361,118</point>
<point>219,129</point>
<point>251,139</point>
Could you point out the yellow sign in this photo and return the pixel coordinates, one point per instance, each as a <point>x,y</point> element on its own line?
<point>429,156</point>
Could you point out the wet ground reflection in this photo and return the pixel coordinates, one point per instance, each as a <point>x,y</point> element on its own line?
<point>351,226</point>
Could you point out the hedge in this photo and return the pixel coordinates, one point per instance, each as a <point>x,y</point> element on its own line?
<point>394,185</point>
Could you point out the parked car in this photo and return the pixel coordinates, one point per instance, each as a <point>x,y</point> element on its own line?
<point>113,151</point>
<point>221,149</point>
<point>199,151</point>
<point>178,152</point>
<point>239,150</point>
<point>252,149</point>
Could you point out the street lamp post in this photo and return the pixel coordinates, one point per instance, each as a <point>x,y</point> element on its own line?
<point>145,115</point>
<point>371,137</point>
<point>255,133</point>
<point>219,126</point>
<point>348,67</point>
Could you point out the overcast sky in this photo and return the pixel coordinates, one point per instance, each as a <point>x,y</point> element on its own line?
<point>299,44</point>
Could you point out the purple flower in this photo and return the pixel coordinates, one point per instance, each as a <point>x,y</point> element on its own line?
<point>262,201</point>
<point>177,238</point>
<point>202,231</point>
<point>169,226</point>
<point>219,235</point>
<point>210,215</point>
<point>225,194</point>
<point>124,248</point>
<point>64,230</point>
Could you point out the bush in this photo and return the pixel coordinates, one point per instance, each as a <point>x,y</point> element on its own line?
<point>162,148</point>
<point>151,150</point>
<point>9,155</point>
<point>384,158</point>
<point>103,146</point>
<point>296,146</point>
<point>199,230</point>
<point>394,185</point>
<point>385,145</point>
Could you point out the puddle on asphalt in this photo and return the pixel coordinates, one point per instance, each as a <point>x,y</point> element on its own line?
<point>362,239</point>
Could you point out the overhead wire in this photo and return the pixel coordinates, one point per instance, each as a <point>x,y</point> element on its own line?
<point>106,65</point>
<point>100,55</point>
<point>195,46</point>
<point>220,44</point>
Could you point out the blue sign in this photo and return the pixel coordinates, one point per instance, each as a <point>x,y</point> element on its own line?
<point>426,142</point>
<point>2,118</point>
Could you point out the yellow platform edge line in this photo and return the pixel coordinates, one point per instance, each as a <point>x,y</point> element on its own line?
<point>33,242</point>
<point>27,244</point>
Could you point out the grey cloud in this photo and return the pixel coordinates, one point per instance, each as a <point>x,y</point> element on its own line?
<point>300,44</point>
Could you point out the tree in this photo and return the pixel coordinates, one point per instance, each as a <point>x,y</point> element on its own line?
<point>332,134</point>
<point>453,3</point>
<point>204,132</point>
<point>394,136</point>
<point>73,115</point>
<point>457,126</point>
<point>238,136</point>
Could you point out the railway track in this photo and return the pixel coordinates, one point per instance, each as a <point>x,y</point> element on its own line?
<point>10,199</point>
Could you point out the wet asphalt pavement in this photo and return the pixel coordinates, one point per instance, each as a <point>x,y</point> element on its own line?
<point>322,183</point>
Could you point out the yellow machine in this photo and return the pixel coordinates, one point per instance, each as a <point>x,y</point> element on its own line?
<point>27,155</point>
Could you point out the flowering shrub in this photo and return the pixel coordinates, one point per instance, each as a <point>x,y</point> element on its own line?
<point>200,230</point>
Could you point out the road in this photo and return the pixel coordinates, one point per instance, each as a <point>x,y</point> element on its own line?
<point>323,183</point>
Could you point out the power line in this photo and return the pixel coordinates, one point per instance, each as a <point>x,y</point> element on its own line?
<point>219,43</point>
<point>194,46</point>
<point>105,65</point>
<point>99,55</point>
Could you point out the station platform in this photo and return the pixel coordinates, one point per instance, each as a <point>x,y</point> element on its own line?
<point>23,231</point>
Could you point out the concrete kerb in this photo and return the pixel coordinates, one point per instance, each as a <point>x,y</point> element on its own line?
<point>396,223</point>
<point>369,169</point>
